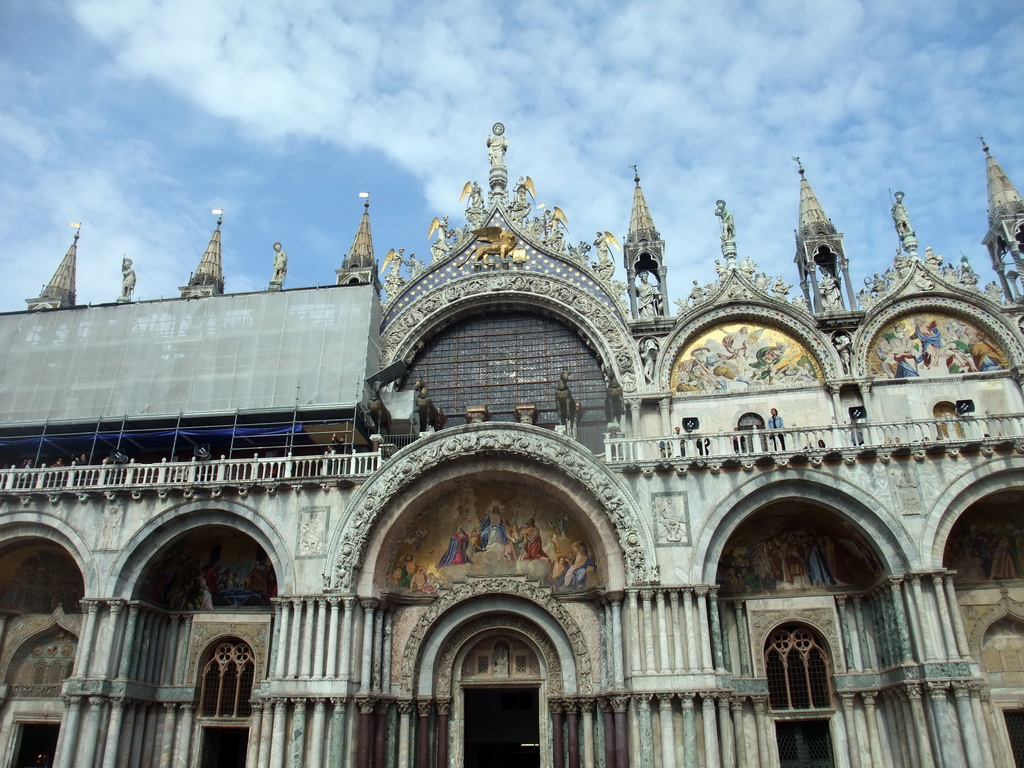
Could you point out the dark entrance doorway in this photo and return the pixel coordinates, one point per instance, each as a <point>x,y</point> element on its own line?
<point>502,728</point>
<point>224,747</point>
<point>804,744</point>
<point>38,743</point>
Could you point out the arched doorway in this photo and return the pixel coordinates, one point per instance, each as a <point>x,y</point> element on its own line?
<point>948,426</point>
<point>749,422</point>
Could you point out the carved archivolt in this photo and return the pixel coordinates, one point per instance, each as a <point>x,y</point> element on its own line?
<point>507,441</point>
<point>513,624</point>
<point>411,659</point>
<point>602,325</point>
<point>730,313</point>
<point>21,629</point>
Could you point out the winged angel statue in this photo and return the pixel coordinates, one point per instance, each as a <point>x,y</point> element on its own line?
<point>604,266</point>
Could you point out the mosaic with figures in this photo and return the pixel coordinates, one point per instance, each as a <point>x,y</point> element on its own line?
<point>795,547</point>
<point>931,344</point>
<point>494,530</point>
<point>986,545</point>
<point>735,357</point>
<point>216,567</point>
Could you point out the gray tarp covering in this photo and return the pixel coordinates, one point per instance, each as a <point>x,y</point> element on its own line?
<point>269,351</point>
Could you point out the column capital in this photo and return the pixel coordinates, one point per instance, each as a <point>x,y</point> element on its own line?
<point>686,700</point>
<point>256,705</point>
<point>646,595</point>
<point>116,606</point>
<point>913,691</point>
<point>665,700</point>
<point>869,698</point>
<point>95,701</point>
<point>319,706</point>
<point>760,705</point>
<point>613,598</point>
<point>961,689</point>
<point>736,703</point>
<point>405,706</point>
<point>444,706</point>
<point>643,700</point>
<point>619,704</point>
<point>556,705</point>
<point>300,706</point>
<point>701,590</point>
<point>841,600</point>
<point>424,706</point>
<point>71,702</point>
<point>118,702</point>
<point>369,603</point>
<point>333,601</point>
<point>586,703</point>
<point>170,706</point>
<point>937,690</point>
<point>366,705</point>
<point>339,701</point>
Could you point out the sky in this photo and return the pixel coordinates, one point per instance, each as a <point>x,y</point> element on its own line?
<point>138,117</point>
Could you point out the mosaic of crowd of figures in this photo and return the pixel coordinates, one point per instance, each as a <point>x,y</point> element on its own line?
<point>36,578</point>
<point>736,357</point>
<point>490,530</point>
<point>986,545</point>
<point>213,568</point>
<point>795,547</point>
<point>930,344</point>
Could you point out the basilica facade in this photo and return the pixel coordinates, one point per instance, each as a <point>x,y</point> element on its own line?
<point>513,506</point>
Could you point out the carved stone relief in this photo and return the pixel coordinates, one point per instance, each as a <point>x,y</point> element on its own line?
<point>312,531</point>
<point>204,633</point>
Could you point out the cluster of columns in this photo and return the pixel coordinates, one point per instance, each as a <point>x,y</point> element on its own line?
<point>315,633</point>
<point>659,631</point>
<point>115,732</point>
<point>287,731</point>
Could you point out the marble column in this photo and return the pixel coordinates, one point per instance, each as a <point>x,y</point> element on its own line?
<point>443,708</point>
<point>345,670</point>
<point>619,705</point>
<point>319,639</point>
<point>113,619</point>
<point>944,615</point>
<point>284,611</point>
<point>298,740</point>
<point>717,640</point>
<point>764,747</point>
<point>366,673</point>
<point>679,660</point>
<point>266,734</point>
<point>871,716</point>
<point>647,632</point>
<point>920,734</point>
<point>616,601</point>
<point>338,735</point>
<point>83,655</point>
<point>385,659</point>
<point>91,729</point>
<point>139,719</point>
<point>957,616</point>
<point>167,737</point>
<point>739,732</point>
<point>128,646</point>
<point>557,743</point>
<point>183,743</point>
<point>332,636</point>
<point>689,731</point>
<point>177,650</point>
<point>572,733</point>
<point>711,738</point>
<point>633,611</point>
<point>295,637</point>
<point>380,733</point>
<point>646,728</point>
<point>744,641</point>
<point>981,724</point>
<point>664,664</point>
<point>307,624</point>
<point>945,746</point>
<point>852,744</point>
<point>844,628</point>
<point>692,658</point>
<point>586,705</point>
<point>316,741</point>
<point>921,619</point>
<point>723,622</point>
<point>900,615</point>
<point>277,749</point>
<point>378,648</point>
<point>668,741</point>
<point>423,733</point>
<point>186,636</point>
<point>968,733</point>
<point>252,747</point>
<point>866,658</point>
<point>67,740</point>
<point>705,632</point>
<point>725,738</point>
<point>113,740</point>
<point>364,741</point>
<point>609,733</point>
<point>405,709</point>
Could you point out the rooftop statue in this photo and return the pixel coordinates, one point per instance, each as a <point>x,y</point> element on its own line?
<point>648,299</point>
<point>604,266</point>
<point>900,217</point>
<point>493,240</point>
<point>476,211</point>
<point>497,145</point>
<point>280,266</point>
<point>728,224</point>
<point>613,408</point>
<point>127,280</point>
<point>565,402</point>
<point>440,247</point>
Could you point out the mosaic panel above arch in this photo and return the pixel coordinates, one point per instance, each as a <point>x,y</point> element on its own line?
<point>986,543</point>
<point>931,343</point>
<point>211,567</point>
<point>735,356</point>
<point>494,529</point>
<point>36,577</point>
<point>795,546</point>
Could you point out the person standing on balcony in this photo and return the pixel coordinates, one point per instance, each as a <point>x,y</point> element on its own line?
<point>776,422</point>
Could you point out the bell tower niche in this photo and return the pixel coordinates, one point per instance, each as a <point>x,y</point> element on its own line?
<point>644,258</point>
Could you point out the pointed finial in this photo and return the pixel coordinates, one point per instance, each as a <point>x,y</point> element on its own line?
<point>636,175</point>
<point>366,196</point>
<point>220,216</point>
<point>799,166</point>
<point>78,228</point>
<point>984,145</point>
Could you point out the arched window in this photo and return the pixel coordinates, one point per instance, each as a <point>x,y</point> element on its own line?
<point>227,681</point>
<point>797,668</point>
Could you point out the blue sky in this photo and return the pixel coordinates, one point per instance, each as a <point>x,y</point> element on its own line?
<point>137,117</point>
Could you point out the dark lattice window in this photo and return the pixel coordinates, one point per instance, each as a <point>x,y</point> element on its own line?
<point>506,358</point>
<point>227,682</point>
<point>797,670</point>
<point>1015,730</point>
<point>804,744</point>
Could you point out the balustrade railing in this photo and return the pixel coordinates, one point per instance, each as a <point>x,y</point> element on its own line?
<point>815,440</point>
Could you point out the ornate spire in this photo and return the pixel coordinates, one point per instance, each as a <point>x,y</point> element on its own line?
<point>208,279</point>
<point>60,291</point>
<point>643,255</point>
<point>813,220</point>
<point>359,266</point>
<point>820,256</point>
<point>1003,197</point>
<point>641,225</point>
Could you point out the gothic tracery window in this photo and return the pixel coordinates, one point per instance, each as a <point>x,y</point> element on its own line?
<point>797,668</point>
<point>227,681</point>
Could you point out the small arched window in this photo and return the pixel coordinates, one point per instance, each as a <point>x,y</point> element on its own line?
<point>797,668</point>
<point>227,681</point>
